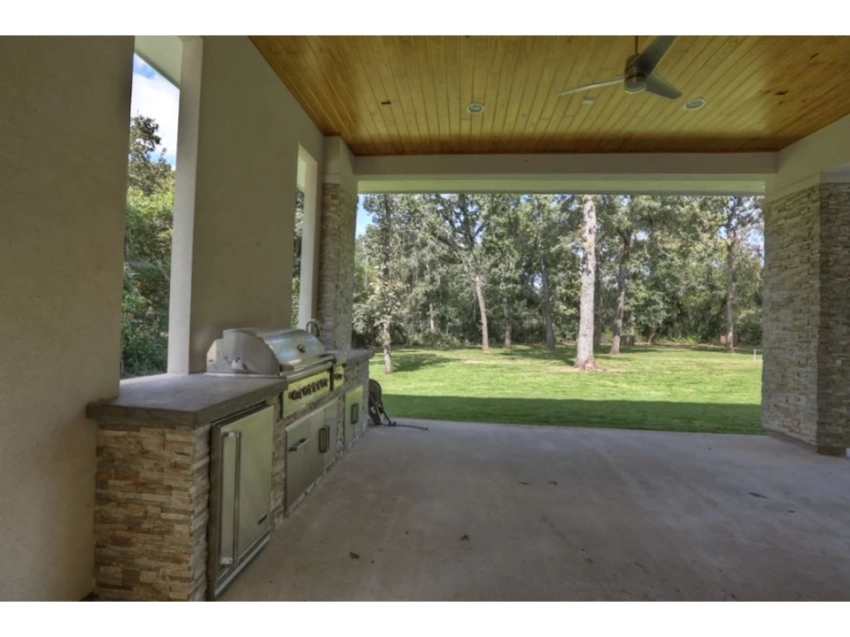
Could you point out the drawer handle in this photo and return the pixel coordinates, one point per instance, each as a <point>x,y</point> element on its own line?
<point>324,439</point>
<point>299,444</point>
<point>355,413</point>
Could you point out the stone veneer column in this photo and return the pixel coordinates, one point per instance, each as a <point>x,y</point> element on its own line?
<point>337,241</point>
<point>806,377</point>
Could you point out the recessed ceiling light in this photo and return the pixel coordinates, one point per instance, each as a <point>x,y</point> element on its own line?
<point>475,108</point>
<point>694,104</point>
<point>587,101</point>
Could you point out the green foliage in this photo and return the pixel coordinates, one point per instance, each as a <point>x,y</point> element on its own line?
<point>147,255</point>
<point>675,268</point>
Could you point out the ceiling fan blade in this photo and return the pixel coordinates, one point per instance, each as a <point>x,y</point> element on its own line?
<point>658,85</point>
<point>586,87</point>
<point>651,55</point>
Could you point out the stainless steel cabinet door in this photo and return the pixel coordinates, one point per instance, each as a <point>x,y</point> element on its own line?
<point>354,421</point>
<point>303,460</point>
<point>246,481</point>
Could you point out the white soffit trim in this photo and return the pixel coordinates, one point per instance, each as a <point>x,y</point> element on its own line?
<point>690,173</point>
<point>162,52</point>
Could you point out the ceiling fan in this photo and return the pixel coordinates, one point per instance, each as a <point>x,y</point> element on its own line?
<point>640,74</point>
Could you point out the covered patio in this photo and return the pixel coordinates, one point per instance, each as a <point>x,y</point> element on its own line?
<point>633,515</point>
<point>471,512</point>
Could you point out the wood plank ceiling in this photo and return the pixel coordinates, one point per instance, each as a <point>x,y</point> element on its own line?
<point>408,95</point>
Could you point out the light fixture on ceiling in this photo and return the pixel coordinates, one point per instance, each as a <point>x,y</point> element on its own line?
<point>475,108</point>
<point>694,104</point>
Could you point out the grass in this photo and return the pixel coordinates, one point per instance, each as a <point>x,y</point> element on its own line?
<point>659,388</point>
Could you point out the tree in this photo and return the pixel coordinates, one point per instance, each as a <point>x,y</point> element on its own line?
<point>146,173</point>
<point>465,222</point>
<point>298,231</point>
<point>147,254</point>
<point>584,344</point>
<point>735,216</point>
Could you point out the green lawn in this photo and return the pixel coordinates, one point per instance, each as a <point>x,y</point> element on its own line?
<point>673,389</point>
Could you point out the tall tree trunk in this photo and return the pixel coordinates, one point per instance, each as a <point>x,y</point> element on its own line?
<point>730,293</point>
<point>597,311</point>
<point>482,306</point>
<point>621,295</point>
<point>387,345</point>
<point>432,325</point>
<point>385,341</point>
<point>584,343</point>
<point>506,310</point>
<point>547,305</point>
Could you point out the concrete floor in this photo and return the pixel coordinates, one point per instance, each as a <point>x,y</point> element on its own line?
<point>494,512</point>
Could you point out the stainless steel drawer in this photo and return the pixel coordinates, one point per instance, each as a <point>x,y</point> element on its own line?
<point>355,423</point>
<point>303,459</point>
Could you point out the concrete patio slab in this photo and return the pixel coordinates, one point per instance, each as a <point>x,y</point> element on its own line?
<point>497,512</point>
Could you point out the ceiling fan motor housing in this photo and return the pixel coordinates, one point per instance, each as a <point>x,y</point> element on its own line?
<point>635,80</point>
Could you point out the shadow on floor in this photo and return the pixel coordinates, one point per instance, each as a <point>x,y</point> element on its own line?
<point>613,414</point>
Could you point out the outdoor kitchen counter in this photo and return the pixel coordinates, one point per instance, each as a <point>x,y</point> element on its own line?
<point>183,400</point>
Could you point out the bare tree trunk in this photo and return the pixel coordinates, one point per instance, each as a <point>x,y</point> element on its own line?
<point>547,306</point>
<point>730,294</point>
<point>482,306</point>
<point>597,311</point>
<point>431,317</point>
<point>584,343</point>
<point>506,309</point>
<point>385,340</point>
<point>621,295</point>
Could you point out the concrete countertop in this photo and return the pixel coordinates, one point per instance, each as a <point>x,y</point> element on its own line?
<point>170,400</point>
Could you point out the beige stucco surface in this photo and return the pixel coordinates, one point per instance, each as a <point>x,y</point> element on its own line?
<point>64,113</point>
<point>249,128</point>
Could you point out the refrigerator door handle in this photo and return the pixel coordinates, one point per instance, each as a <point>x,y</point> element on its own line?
<point>237,470</point>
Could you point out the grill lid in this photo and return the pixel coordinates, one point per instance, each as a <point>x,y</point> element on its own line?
<point>267,352</point>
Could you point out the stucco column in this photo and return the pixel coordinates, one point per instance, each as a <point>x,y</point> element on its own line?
<point>806,377</point>
<point>336,256</point>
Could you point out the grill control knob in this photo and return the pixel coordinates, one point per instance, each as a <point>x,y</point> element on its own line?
<point>293,395</point>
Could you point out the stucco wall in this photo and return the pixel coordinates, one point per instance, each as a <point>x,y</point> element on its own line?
<point>806,379</point>
<point>248,130</point>
<point>64,120</point>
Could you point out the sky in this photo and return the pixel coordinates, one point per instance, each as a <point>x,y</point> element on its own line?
<point>156,97</point>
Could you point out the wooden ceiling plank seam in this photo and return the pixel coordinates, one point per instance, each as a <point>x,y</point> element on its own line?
<point>487,72</point>
<point>466,60</point>
<point>558,104</point>
<point>437,52</point>
<point>542,87</point>
<point>530,87</point>
<point>407,61</point>
<point>545,97</point>
<point>560,133</point>
<point>364,101</point>
<point>832,59</point>
<point>296,89</point>
<point>336,87</point>
<point>372,97</point>
<point>719,83</point>
<point>375,72</point>
<point>514,54</point>
<point>450,56</point>
<point>746,89</point>
<point>389,84</point>
<point>417,110</point>
<point>518,84</point>
<point>642,117</point>
<point>429,93</point>
<point>609,100</point>
<point>364,120</point>
<point>601,66</point>
<point>310,93</point>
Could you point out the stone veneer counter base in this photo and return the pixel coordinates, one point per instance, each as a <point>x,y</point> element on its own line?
<point>152,484</point>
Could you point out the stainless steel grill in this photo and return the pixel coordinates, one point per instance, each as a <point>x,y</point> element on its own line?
<point>294,354</point>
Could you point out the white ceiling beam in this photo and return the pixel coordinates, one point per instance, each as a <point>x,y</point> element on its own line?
<point>682,173</point>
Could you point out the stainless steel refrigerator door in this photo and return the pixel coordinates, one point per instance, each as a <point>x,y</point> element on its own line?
<point>246,470</point>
